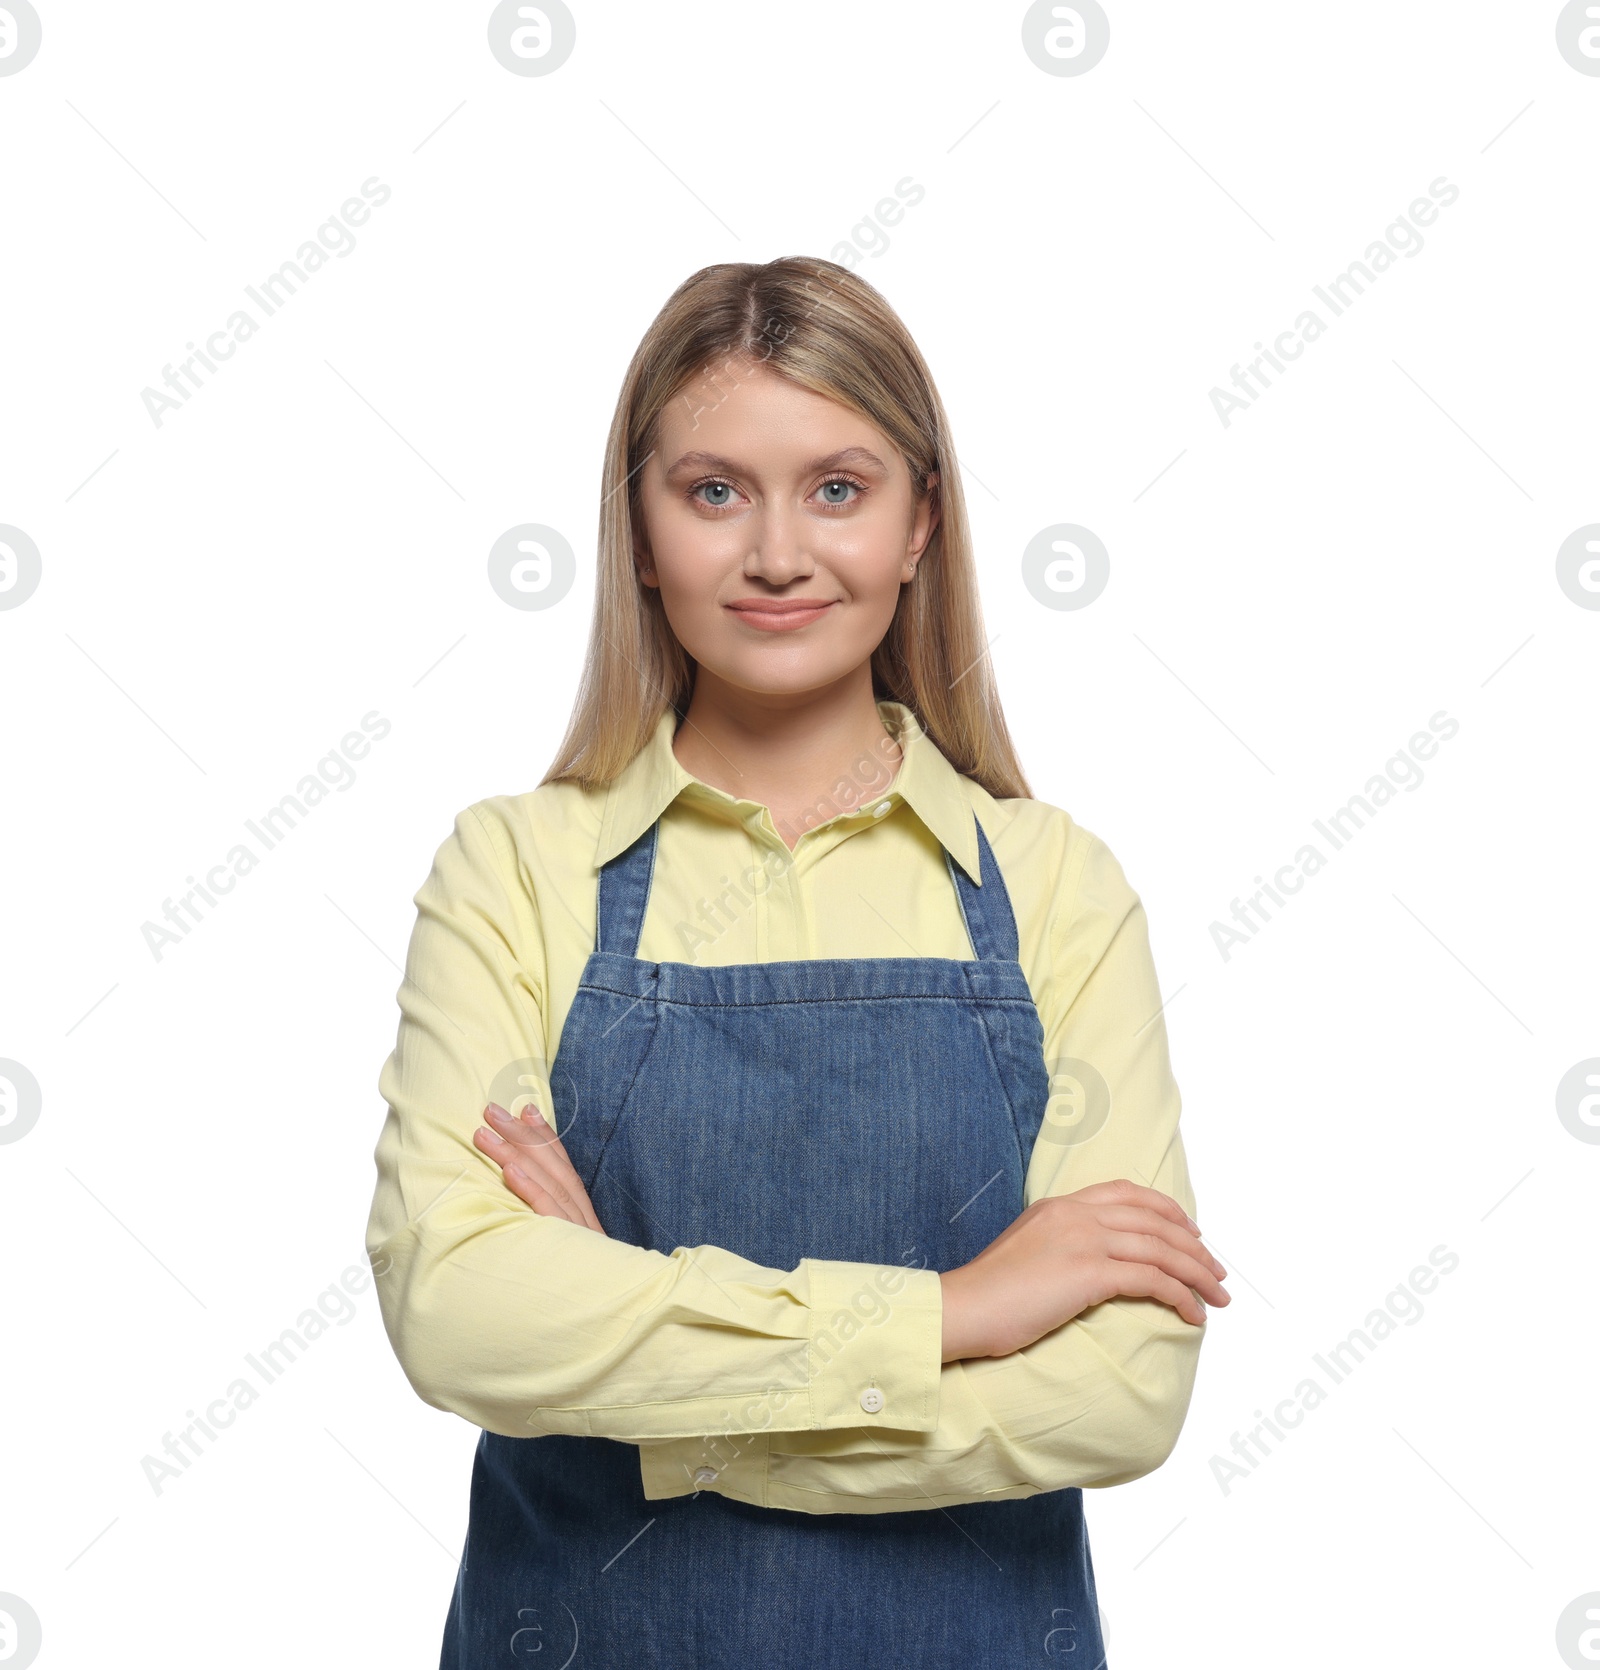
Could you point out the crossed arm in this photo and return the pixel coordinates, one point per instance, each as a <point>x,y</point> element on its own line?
<point>522,1315</point>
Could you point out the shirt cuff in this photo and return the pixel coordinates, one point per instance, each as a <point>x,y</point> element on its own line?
<point>876,1346</point>
<point>876,1359</point>
<point>732,1464</point>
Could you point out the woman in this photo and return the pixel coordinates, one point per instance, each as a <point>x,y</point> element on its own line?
<point>796,1314</point>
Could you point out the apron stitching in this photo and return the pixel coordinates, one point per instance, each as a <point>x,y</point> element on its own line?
<point>1005,1087</point>
<point>969,999</point>
<point>627,1095</point>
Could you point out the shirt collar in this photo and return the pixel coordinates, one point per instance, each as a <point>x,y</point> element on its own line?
<point>926,782</point>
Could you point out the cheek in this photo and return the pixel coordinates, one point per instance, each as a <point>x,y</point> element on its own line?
<point>692,561</point>
<point>865,554</point>
<point>692,555</point>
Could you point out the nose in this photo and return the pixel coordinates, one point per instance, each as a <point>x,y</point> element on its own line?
<point>778,551</point>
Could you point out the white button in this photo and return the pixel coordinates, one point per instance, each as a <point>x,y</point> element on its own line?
<point>872,1400</point>
<point>880,809</point>
<point>704,1475</point>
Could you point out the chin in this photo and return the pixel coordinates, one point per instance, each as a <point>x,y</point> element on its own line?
<point>779,674</point>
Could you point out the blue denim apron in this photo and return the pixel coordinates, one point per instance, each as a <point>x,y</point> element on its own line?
<point>876,1109</point>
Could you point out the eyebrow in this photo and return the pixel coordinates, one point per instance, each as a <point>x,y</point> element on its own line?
<point>715,461</point>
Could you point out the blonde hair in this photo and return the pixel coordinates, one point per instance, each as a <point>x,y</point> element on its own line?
<point>829,331</point>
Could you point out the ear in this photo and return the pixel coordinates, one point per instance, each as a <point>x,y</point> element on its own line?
<point>925,519</point>
<point>644,567</point>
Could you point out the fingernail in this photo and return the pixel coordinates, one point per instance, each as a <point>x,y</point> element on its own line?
<point>1192,1224</point>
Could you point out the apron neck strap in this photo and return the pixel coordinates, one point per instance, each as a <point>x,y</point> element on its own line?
<point>624,892</point>
<point>991,923</point>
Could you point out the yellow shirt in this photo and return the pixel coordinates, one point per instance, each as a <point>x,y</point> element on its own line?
<point>525,1324</point>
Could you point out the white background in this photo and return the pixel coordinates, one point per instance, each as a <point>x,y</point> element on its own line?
<point>224,596</point>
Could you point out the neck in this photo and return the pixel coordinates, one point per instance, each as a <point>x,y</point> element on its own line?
<point>806,758</point>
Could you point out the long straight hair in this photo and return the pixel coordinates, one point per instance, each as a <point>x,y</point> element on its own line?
<point>825,329</point>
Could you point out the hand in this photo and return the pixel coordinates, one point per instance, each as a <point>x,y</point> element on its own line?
<point>1065,1253</point>
<point>534,1165</point>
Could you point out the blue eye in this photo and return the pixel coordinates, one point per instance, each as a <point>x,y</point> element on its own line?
<point>845,484</point>
<point>837,493</point>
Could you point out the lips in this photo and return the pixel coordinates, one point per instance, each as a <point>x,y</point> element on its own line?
<point>781,617</point>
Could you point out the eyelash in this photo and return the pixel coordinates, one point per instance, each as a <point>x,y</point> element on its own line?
<point>722,481</point>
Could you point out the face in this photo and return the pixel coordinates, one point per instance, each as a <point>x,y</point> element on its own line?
<point>779,527</point>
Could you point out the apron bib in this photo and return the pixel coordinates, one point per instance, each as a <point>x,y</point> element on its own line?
<point>876,1109</point>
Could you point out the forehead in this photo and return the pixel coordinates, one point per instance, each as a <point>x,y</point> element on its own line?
<point>743,409</point>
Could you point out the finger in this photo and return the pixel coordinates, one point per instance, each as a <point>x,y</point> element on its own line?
<point>525,1132</point>
<point>527,1188</point>
<point>573,1205</point>
<point>522,1183</point>
<point>1147,1281</point>
<point>534,1133</point>
<point>553,1174</point>
<point>547,1160</point>
<point>498,1150</point>
<point>1126,1193</point>
<point>543,1127</point>
<point>1140,1218</point>
<point>1143,1247</point>
<point>531,1143</point>
<point>1123,1191</point>
<point>547,1170</point>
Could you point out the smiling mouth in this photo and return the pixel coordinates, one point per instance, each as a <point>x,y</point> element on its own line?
<point>784,616</point>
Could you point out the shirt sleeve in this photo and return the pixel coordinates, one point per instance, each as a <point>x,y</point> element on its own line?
<point>525,1324</point>
<point>1100,1400</point>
